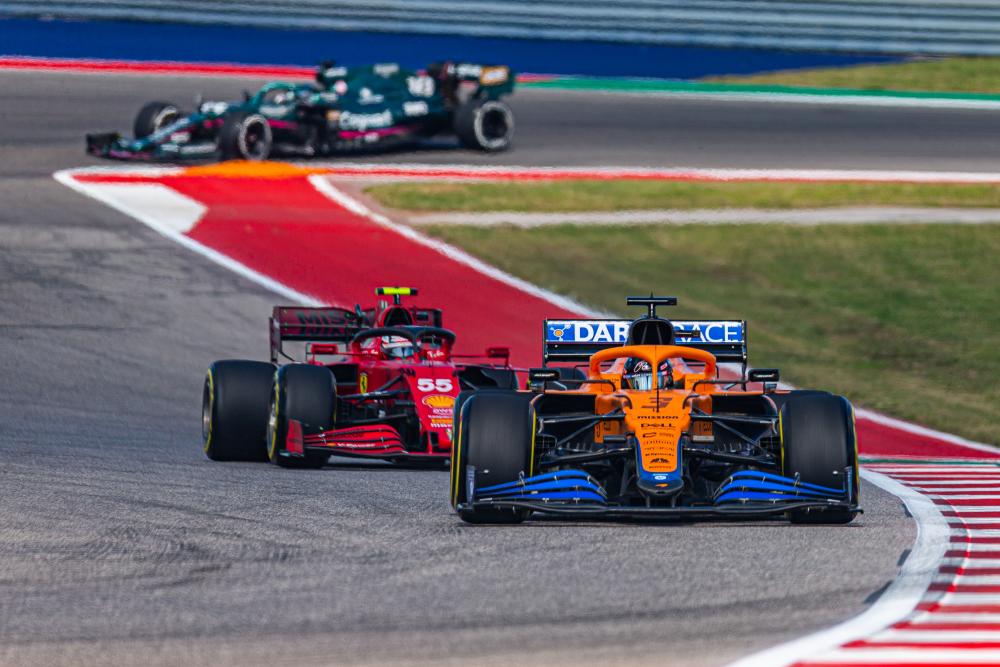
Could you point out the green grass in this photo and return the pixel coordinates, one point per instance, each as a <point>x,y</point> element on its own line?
<point>958,75</point>
<point>900,318</point>
<point>592,195</point>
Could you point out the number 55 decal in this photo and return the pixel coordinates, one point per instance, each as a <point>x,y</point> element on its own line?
<point>442,385</point>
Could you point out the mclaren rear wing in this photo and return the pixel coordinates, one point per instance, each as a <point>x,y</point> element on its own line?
<point>577,340</point>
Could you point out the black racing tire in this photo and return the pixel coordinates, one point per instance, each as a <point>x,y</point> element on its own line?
<point>780,398</point>
<point>245,136</point>
<point>818,442</point>
<point>307,394</point>
<point>154,116</point>
<point>234,410</point>
<point>494,438</point>
<point>485,125</point>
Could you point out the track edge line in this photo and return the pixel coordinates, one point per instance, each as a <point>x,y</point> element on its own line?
<point>898,600</point>
<point>66,177</point>
<point>322,185</point>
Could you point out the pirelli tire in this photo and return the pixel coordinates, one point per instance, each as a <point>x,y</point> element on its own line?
<point>494,446</point>
<point>307,394</point>
<point>245,135</point>
<point>819,446</point>
<point>485,125</point>
<point>154,116</point>
<point>234,410</point>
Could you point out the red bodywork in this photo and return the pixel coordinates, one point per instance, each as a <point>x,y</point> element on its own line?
<point>394,400</point>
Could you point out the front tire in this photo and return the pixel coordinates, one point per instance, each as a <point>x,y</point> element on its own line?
<point>818,443</point>
<point>485,125</point>
<point>153,117</point>
<point>307,394</point>
<point>245,136</point>
<point>234,409</point>
<point>494,446</point>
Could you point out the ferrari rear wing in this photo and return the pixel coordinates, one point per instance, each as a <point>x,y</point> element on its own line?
<point>328,324</point>
<point>577,340</point>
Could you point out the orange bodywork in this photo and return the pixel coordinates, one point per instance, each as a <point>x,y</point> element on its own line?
<point>657,417</point>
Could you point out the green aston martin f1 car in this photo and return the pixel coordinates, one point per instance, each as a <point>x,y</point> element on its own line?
<point>348,108</point>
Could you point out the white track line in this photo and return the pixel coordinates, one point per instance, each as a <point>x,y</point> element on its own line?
<point>887,656</point>
<point>327,189</point>
<point>421,171</point>
<point>167,228</point>
<point>960,599</point>
<point>918,635</point>
<point>442,171</point>
<point>971,619</point>
<point>834,215</point>
<point>898,600</point>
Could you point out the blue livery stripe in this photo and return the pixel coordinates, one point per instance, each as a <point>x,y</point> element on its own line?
<point>779,479</point>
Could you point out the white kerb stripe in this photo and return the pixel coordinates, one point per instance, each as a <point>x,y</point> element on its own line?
<point>170,226</point>
<point>898,600</point>
<point>889,656</point>
<point>959,599</point>
<point>971,619</point>
<point>968,579</point>
<point>933,636</point>
<point>174,212</point>
<point>324,187</point>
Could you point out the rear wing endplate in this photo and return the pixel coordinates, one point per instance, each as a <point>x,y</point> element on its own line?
<point>577,340</point>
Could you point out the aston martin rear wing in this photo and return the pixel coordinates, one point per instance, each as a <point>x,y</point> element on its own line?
<point>577,340</point>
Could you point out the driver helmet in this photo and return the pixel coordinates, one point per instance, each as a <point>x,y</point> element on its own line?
<point>397,347</point>
<point>638,375</point>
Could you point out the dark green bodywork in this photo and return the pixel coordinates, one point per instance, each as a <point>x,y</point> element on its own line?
<point>348,108</point>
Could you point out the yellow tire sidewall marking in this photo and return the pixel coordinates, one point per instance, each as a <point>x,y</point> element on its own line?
<point>211,410</point>
<point>272,446</point>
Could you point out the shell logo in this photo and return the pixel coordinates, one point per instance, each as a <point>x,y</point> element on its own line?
<point>439,401</point>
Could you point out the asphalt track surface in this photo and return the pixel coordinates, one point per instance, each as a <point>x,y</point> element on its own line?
<point>51,112</point>
<point>121,544</point>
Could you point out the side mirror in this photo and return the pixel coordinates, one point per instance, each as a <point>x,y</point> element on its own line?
<point>763,375</point>
<point>498,352</point>
<point>246,95</point>
<point>542,375</point>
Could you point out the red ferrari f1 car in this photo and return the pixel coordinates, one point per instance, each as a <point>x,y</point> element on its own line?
<point>375,383</point>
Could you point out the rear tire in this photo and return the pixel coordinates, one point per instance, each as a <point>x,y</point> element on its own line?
<point>307,394</point>
<point>154,116</point>
<point>485,125</point>
<point>494,438</point>
<point>818,442</point>
<point>234,409</point>
<point>245,136</point>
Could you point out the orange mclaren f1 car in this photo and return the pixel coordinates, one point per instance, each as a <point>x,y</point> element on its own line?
<point>648,428</point>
